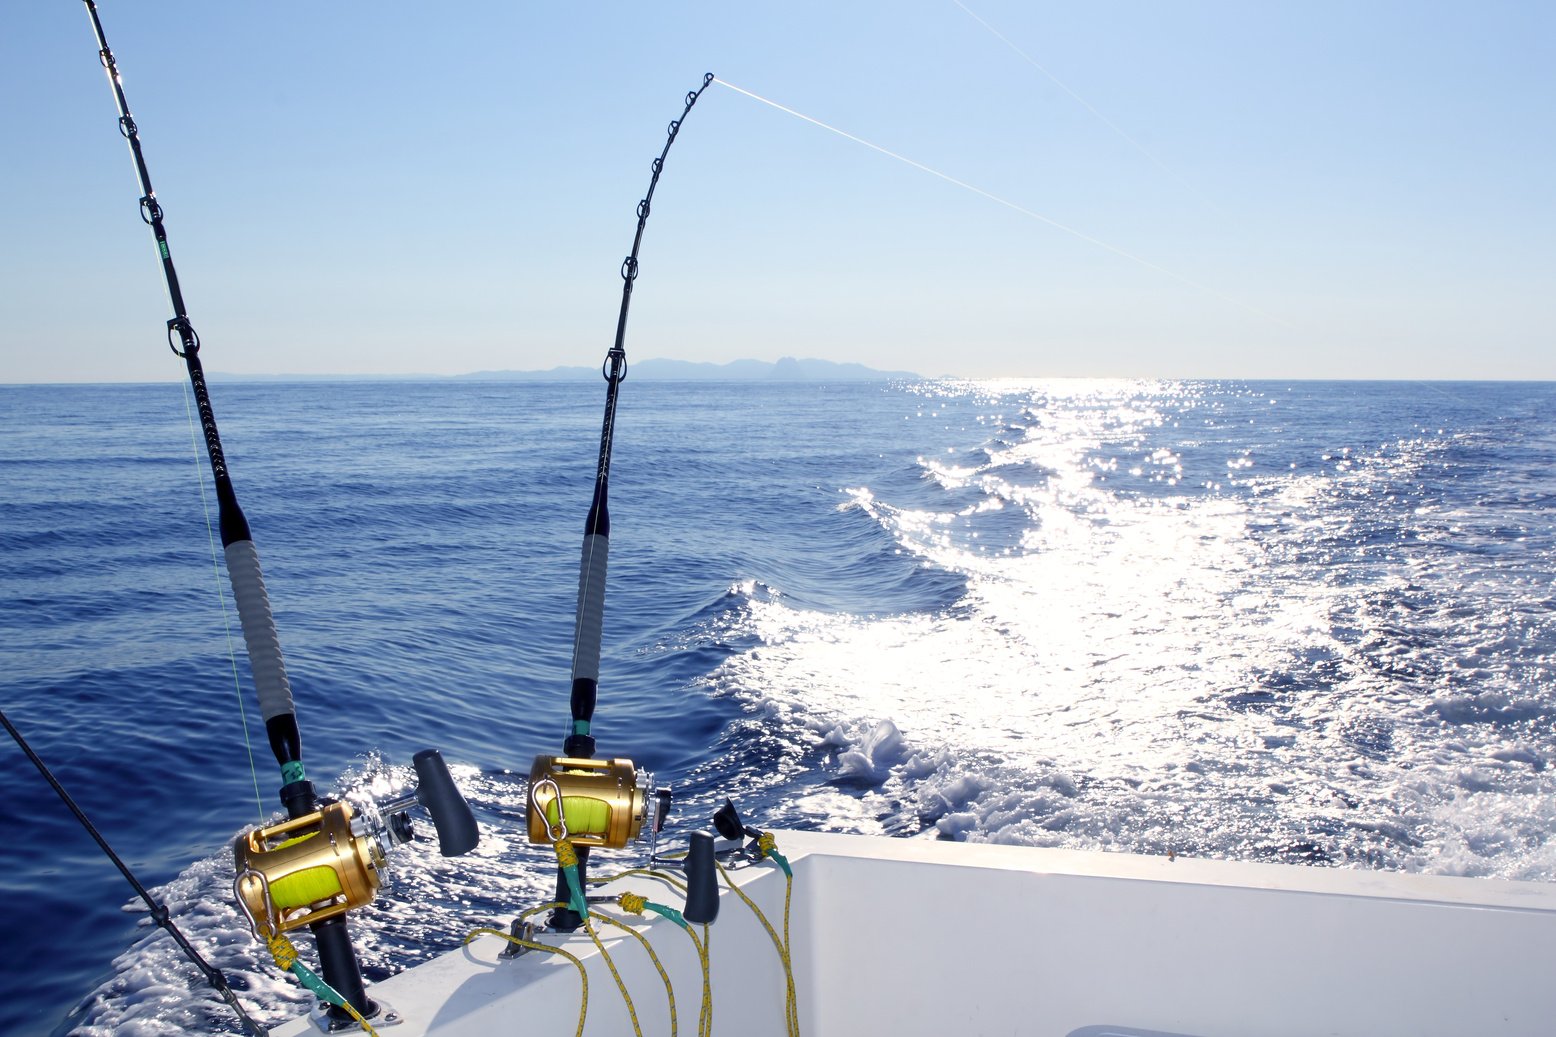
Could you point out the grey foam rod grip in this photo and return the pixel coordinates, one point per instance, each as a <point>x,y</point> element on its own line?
<point>259,630</point>
<point>591,607</point>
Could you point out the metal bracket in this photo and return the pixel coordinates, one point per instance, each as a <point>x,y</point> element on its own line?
<point>523,930</point>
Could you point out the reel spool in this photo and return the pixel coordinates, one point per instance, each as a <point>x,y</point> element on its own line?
<point>326,863</point>
<point>603,802</point>
<point>308,869</point>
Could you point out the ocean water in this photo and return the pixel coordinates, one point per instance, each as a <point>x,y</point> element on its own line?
<point>1307,622</point>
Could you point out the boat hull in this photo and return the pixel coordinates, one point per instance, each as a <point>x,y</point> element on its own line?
<point>918,936</point>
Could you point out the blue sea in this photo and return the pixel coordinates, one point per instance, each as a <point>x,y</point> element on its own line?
<point>1308,622</point>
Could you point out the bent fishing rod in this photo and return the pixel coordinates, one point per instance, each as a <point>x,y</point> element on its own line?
<point>588,629</point>
<point>261,640</point>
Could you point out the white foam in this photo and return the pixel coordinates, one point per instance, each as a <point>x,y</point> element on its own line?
<point>1195,672</point>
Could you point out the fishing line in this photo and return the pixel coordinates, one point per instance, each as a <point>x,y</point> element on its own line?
<point>1007,203</point>
<point>1109,123</point>
<point>221,600</point>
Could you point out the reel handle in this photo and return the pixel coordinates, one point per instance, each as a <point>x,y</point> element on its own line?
<point>702,883</point>
<point>451,815</point>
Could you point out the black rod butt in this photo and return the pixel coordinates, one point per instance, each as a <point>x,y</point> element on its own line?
<point>702,882</point>
<point>451,815</point>
<point>565,919</point>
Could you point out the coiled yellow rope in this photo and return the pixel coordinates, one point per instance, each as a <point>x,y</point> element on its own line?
<point>567,859</point>
<point>636,904</point>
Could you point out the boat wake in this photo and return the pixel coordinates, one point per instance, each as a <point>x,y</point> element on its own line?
<point>1167,643</point>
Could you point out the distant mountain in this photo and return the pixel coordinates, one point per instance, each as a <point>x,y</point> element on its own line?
<point>788,369</point>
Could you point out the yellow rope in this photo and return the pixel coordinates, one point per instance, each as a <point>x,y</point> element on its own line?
<point>583,974</point>
<point>632,1011</point>
<point>283,951</point>
<point>285,954</point>
<point>358,1017</point>
<point>650,873</point>
<point>793,1007</point>
<point>704,950</point>
<point>533,911</point>
<point>636,904</point>
<point>658,966</point>
<point>791,998</point>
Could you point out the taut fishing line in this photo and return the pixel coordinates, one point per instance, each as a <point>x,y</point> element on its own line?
<point>1109,123</point>
<point>221,601</point>
<point>1007,203</point>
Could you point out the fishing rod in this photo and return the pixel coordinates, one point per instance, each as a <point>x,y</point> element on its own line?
<point>286,879</point>
<point>248,583</point>
<point>596,544</point>
<point>587,633</point>
<point>159,911</point>
<point>337,958</point>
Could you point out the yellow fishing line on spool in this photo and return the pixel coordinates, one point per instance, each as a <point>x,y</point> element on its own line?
<point>603,802</point>
<point>584,815</point>
<point>306,869</point>
<point>305,887</point>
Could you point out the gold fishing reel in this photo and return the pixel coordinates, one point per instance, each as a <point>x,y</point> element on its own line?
<point>603,802</point>
<point>326,863</point>
<point>309,868</point>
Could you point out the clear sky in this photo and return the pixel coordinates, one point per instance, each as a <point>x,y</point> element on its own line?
<point>1324,188</point>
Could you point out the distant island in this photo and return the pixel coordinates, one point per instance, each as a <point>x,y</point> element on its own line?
<point>788,369</point>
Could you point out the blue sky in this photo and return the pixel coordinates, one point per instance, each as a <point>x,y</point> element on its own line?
<point>1312,190</point>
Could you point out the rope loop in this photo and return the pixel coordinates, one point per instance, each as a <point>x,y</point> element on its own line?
<point>185,333</point>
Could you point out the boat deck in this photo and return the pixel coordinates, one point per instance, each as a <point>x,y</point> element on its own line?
<point>923,937</point>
